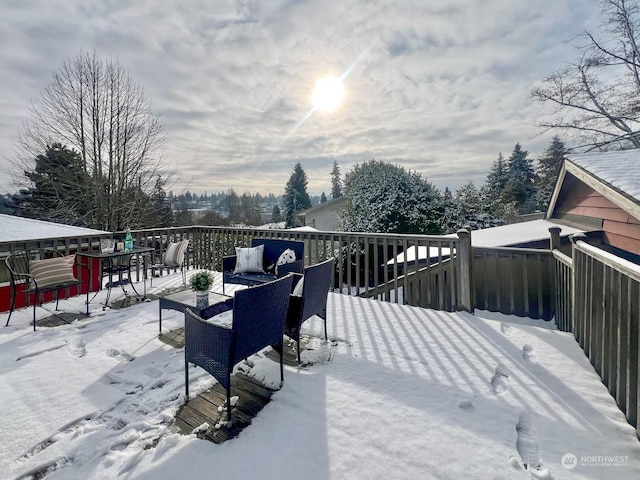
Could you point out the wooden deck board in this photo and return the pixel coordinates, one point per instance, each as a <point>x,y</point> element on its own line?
<point>252,397</point>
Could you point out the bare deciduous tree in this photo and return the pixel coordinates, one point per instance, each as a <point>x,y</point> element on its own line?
<point>597,99</point>
<point>93,106</point>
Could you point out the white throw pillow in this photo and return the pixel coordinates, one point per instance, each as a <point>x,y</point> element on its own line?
<point>53,271</point>
<point>298,290</point>
<point>174,256</point>
<point>288,256</point>
<point>249,259</point>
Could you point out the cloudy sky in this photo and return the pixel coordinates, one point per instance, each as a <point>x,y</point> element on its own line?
<point>438,86</point>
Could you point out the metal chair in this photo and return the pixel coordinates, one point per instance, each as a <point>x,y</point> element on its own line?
<point>259,314</point>
<point>20,264</point>
<point>173,257</point>
<point>312,301</point>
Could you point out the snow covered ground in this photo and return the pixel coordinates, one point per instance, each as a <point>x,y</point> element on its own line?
<point>400,393</point>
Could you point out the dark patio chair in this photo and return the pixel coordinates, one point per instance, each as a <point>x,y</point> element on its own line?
<point>259,314</point>
<point>41,272</point>
<point>309,300</point>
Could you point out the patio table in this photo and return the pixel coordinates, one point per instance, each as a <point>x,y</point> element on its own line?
<point>117,262</point>
<point>180,301</point>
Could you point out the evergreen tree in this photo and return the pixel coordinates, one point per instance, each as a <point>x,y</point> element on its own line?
<point>449,216</point>
<point>295,198</point>
<point>323,198</point>
<point>469,207</point>
<point>548,169</point>
<point>59,188</point>
<point>336,181</point>
<point>497,177</point>
<point>161,205</point>
<point>385,198</point>
<point>520,188</point>
<point>276,216</point>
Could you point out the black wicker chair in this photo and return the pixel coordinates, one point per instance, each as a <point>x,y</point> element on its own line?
<point>312,301</point>
<point>20,269</point>
<point>259,314</point>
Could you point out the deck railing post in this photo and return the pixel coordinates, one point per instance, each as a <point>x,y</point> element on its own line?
<point>465,277</point>
<point>555,238</point>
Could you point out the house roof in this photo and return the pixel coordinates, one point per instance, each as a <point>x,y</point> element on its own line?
<point>510,235</point>
<point>620,170</point>
<point>333,203</point>
<point>614,175</point>
<point>19,228</point>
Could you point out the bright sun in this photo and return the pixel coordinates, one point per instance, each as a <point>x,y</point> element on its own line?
<point>328,93</point>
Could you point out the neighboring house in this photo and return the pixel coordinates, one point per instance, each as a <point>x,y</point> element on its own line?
<point>600,193</point>
<point>325,216</point>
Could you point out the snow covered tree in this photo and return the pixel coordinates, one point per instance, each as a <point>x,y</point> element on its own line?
<point>520,188</point>
<point>469,207</point>
<point>336,181</point>
<point>295,198</point>
<point>385,198</point>
<point>323,198</point>
<point>497,177</point>
<point>449,214</point>
<point>548,168</point>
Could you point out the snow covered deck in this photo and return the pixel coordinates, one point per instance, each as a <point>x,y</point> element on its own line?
<point>402,392</point>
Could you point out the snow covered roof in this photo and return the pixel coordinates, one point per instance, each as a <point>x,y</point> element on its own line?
<point>503,236</point>
<point>14,229</point>
<point>518,233</point>
<point>619,170</point>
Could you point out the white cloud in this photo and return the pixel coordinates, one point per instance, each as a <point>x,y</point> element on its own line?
<point>439,87</point>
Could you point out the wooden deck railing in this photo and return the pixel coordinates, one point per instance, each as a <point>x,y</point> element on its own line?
<point>606,322</point>
<point>514,281</point>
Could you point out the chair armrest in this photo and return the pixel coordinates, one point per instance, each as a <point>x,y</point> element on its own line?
<point>229,263</point>
<point>217,308</point>
<point>293,267</point>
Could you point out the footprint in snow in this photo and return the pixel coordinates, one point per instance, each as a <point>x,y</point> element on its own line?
<point>118,355</point>
<point>500,380</point>
<point>506,329</point>
<point>152,372</point>
<point>529,354</point>
<point>76,346</point>
<point>528,448</point>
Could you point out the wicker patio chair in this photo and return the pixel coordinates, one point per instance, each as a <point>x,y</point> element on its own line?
<point>259,314</point>
<point>41,272</point>
<point>309,298</point>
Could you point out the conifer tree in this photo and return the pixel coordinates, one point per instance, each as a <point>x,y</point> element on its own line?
<point>520,188</point>
<point>295,198</point>
<point>336,182</point>
<point>497,177</point>
<point>549,165</point>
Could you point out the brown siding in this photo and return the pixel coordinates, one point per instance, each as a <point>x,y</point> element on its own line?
<point>621,229</point>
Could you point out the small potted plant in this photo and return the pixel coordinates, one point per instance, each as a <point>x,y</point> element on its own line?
<point>200,283</point>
